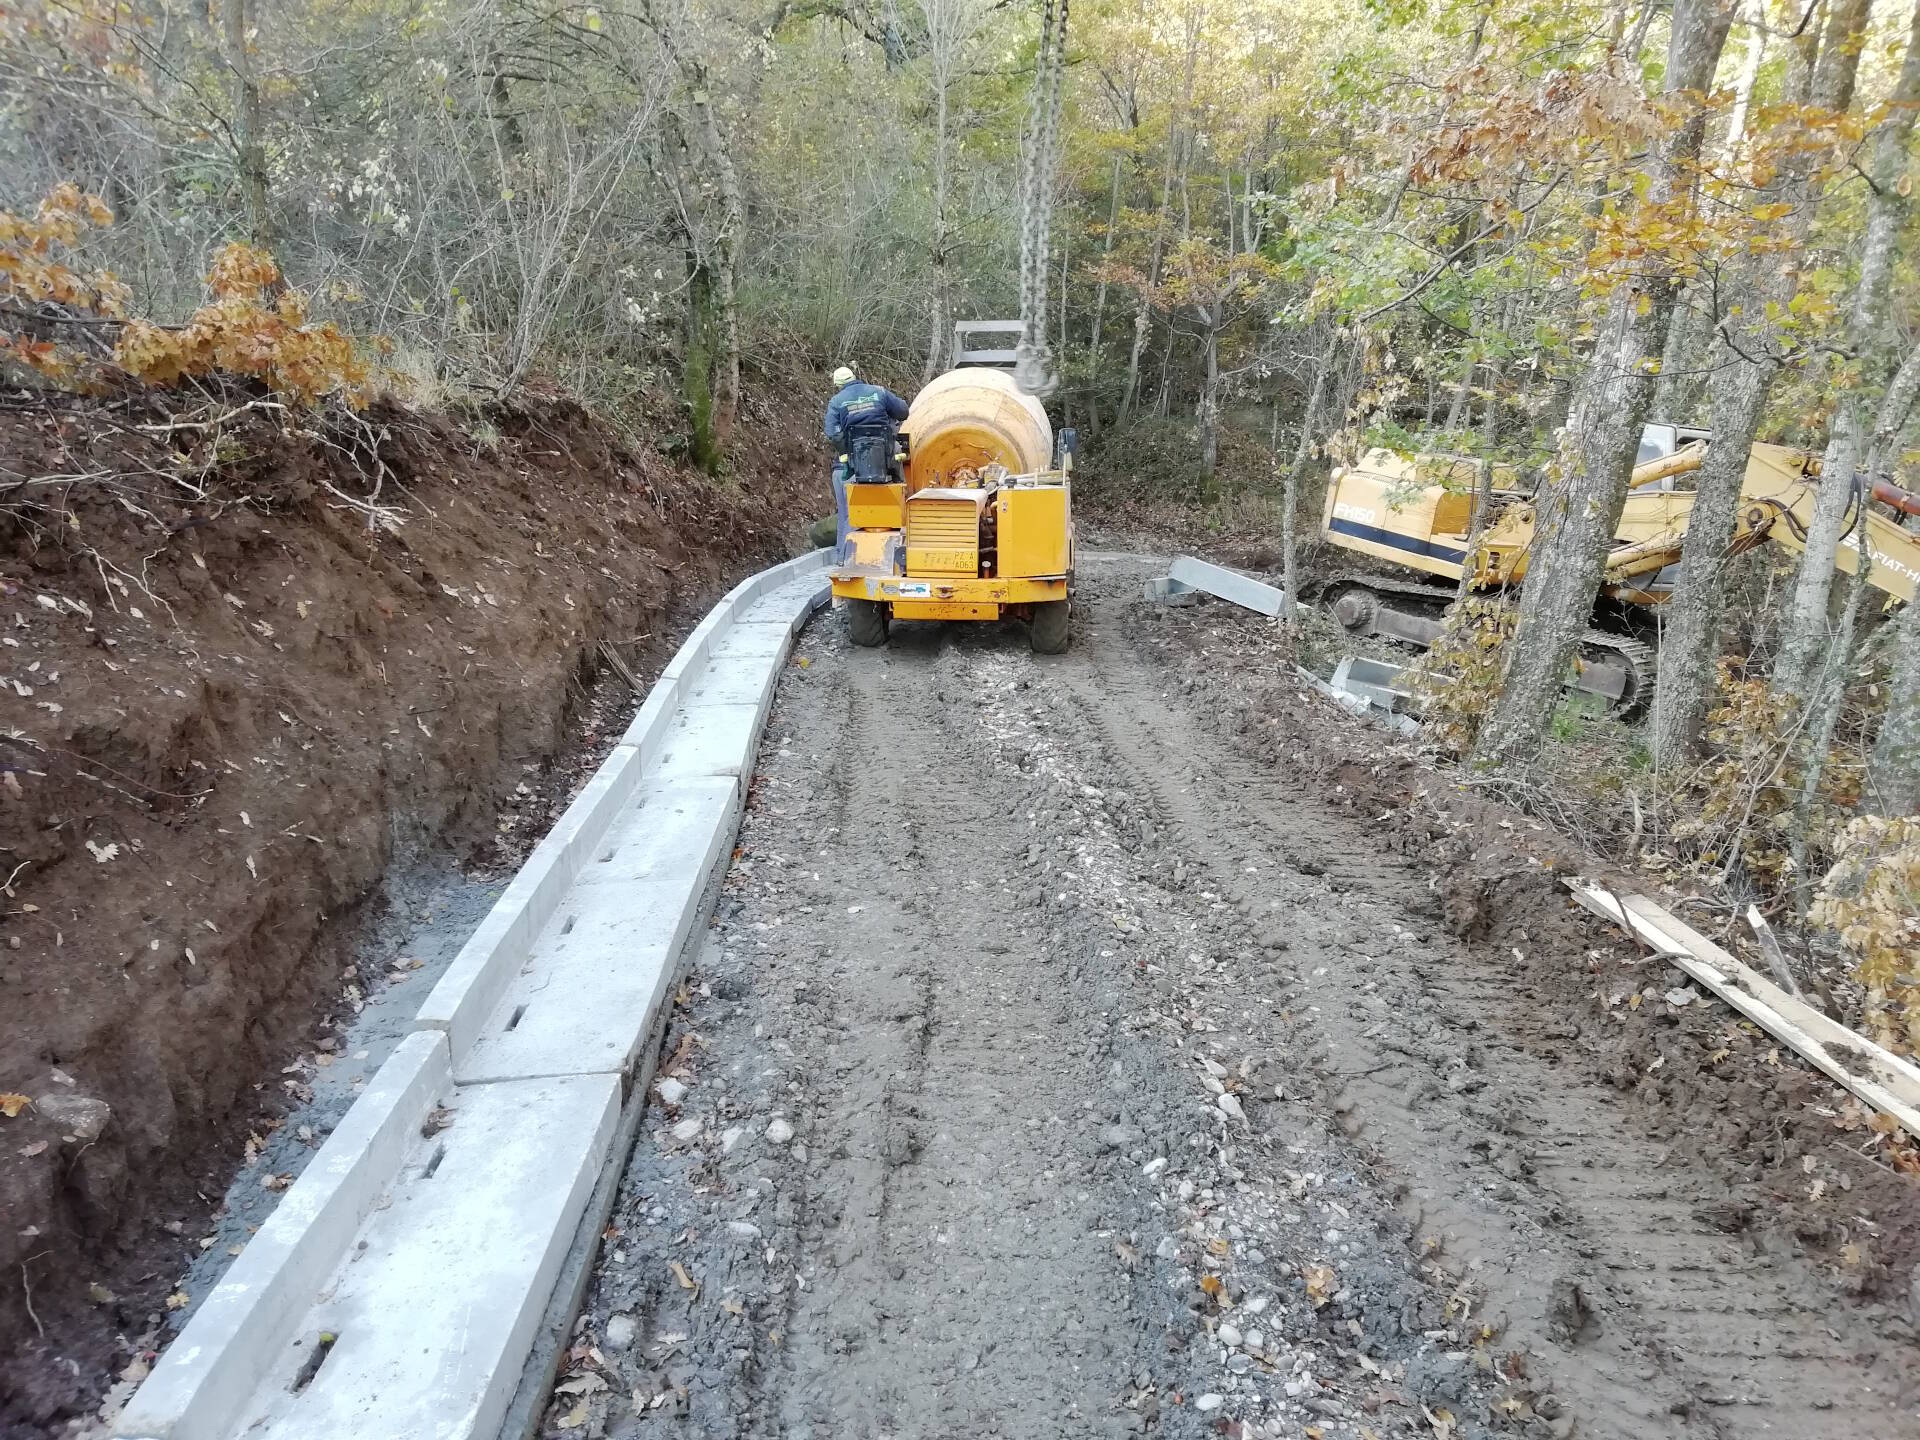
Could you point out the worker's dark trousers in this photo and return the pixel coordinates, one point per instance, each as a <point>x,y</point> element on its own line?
<point>841,474</point>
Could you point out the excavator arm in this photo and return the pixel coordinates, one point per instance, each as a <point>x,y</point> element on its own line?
<point>1777,499</point>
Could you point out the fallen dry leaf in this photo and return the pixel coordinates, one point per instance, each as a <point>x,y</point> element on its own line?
<point>585,1383</point>
<point>177,1300</point>
<point>1320,1284</point>
<point>11,1104</point>
<point>687,1282</point>
<point>1129,1256</point>
<point>34,1149</point>
<point>574,1418</point>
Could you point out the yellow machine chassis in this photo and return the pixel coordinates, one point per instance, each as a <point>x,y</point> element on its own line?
<point>948,597</point>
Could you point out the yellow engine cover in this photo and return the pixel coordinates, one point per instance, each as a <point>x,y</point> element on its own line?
<point>943,532</point>
<point>1034,530</point>
<point>875,507</point>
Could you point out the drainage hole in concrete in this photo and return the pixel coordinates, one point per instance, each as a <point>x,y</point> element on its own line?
<point>514,1019</point>
<point>323,1344</point>
<point>567,929</point>
<point>433,1164</point>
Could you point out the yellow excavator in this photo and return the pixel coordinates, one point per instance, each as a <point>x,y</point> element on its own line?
<point>1418,514</point>
<point>972,521</point>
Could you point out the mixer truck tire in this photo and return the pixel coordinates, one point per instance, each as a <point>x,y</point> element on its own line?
<point>866,623</point>
<point>1049,628</point>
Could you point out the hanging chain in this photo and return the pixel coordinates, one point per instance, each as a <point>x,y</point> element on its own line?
<point>1040,155</point>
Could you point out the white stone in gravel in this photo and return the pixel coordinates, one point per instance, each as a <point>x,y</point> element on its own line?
<point>687,1130</point>
<point>1186,1189</point>
<point>1239,1362</point>
<point>1255,1340</point>
<point>779,1132</point>
<point>1209,1402</point>
<point>670,1091</point>
<point>745,1229</point>
<point>620,1332</point>
<point>1257,1305</point>
<point>1167,1248</point>
<point>729,1138</point>
<point>1230,1105</point>
<point>1229,1334</point>
<point>1153,1167</point>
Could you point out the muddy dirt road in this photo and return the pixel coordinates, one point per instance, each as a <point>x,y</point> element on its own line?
<point>1052,1069</point>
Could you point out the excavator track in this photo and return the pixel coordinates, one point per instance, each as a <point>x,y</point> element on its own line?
<point>1615,668</point>
<point>1634,658</point>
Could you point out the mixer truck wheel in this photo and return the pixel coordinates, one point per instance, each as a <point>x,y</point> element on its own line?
<point>867,623</point>
<point>1049,628</point>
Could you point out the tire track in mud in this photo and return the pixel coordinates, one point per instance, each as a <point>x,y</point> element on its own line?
<point>1076,1012</point>
<point>943,1171</point>
<point>1650,1321</point>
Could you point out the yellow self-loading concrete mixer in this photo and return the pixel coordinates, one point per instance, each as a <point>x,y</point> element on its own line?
<point>973,521</point>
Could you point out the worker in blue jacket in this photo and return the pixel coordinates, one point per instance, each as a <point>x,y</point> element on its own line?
<point>857,412</point>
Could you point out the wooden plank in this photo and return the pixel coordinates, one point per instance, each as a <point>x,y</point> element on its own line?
<point>1877,1076</point>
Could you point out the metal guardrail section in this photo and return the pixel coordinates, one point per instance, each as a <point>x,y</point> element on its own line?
<point>398,1287</point>
<point>1375,681</point>
<point>1244,590</point>
<point>965,353</point>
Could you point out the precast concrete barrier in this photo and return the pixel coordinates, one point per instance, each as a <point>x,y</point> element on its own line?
<point>397,1288</point>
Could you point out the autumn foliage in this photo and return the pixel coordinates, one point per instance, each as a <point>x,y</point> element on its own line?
<point>70,326</point>
<point>1871,897</point>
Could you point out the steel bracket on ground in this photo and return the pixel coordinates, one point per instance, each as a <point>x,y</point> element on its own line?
<point>1191,574</point>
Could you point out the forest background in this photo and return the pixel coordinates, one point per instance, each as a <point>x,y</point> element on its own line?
<point>1282,231</point>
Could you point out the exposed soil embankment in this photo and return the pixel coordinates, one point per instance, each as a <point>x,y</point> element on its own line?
<point>231,702</point>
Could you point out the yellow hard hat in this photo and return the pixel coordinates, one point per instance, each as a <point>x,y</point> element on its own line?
<point>844,375</point>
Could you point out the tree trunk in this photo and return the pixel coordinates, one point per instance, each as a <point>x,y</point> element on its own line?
<point>1457,411</point>
<point>1805,632</point>
<point>1579,508</point>
<point>704,330</point>
<point>1829,695</point>
<point>1676,395</point>
<point>1690,626</point>
<point>250,151</point>
<point>1207,412</point>
<point>941,302</point>
<point>1476,523</point>
<point>1296,472</point>
<point>1893,778</point>
<point>1755,17</point>
<point>1744,367</point>
<point>726,255</point>
<point>1490,417</point>
<point>1096,340</point>
<point>1142,320</point>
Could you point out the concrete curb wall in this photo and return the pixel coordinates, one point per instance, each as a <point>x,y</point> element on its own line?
<point>350,1242</point>
<point>198,1389</point>
<point>473,984</point>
